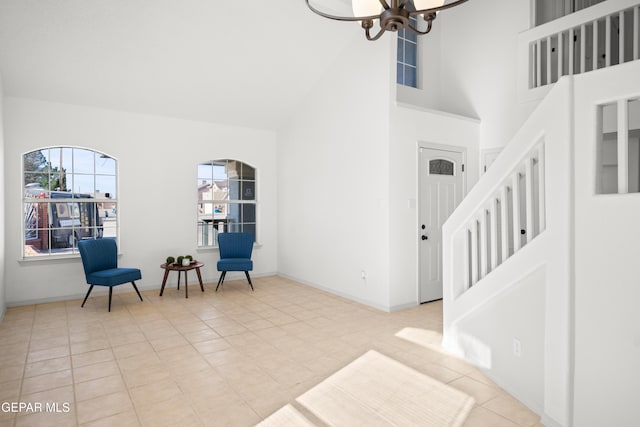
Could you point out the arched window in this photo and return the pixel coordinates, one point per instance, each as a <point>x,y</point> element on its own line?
<point>226,200</point>
<point>69,194</point>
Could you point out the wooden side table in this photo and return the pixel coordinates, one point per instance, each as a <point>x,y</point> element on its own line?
<point>179,268</point>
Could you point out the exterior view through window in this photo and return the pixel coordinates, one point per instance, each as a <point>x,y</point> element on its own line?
<point>69,194</point>
<point>226,200</point>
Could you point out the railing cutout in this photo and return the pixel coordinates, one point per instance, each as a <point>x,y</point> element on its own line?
<point>510,219</point>
<point>585,46</point>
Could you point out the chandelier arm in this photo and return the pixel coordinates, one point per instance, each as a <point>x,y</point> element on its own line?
<point>384,4</point>
<point>439,8</point>
<point>376,37</point>
<point>422,33</point>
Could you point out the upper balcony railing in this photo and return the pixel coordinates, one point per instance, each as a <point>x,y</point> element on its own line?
<point>599,36</point>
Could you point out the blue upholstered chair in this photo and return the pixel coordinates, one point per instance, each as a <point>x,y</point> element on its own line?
<point>235,254</point>
<point>100,262</point>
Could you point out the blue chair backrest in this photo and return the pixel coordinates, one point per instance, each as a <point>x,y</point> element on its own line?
<point>98,255</point>
<point>235,245</point>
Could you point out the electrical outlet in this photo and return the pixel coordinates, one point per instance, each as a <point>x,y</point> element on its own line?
<point>517,348</point>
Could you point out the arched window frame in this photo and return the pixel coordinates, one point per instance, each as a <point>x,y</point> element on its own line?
<point>69,193</point>
<point>227,200</point>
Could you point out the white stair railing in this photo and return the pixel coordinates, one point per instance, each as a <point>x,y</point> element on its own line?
<point>599,36</point>
<point>508,219</point>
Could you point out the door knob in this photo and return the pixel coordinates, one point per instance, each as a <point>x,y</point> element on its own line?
<point>424,237</point>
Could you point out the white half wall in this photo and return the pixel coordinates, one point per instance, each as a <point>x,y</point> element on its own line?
<point>157,160</point>
<point>333,182</point>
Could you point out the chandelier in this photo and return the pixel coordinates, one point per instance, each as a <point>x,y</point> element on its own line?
<point>393,15</point>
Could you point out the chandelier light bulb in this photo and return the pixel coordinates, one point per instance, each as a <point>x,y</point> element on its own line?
<point>366,7</point>
<point>427,4</point>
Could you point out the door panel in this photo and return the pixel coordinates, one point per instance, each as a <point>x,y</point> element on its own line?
<point>441,184</point>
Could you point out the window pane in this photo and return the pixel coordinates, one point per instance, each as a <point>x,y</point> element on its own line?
<point>83,161</point>
<point>233,213</point>
<point>410,53</point>
<point>249,228</point>
<point>410,78</point>
<point>234,189</point>
<point>82,185</point>
<point>105,187</point>
<point>248,172</point>
<point>400,49</point>
<point>105,165</point>
<point>233,169</point>
<point>248,190</point>
<point>249,213</point>
<point>400,74</point>
<point>219,170</point>
<point>411,36</point>
<point>205,171</point>
<point>35,161</point>
<point>234,227</point>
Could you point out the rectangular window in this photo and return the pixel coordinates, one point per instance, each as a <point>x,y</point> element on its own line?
<point>226,200</point>
<point>407,61</point>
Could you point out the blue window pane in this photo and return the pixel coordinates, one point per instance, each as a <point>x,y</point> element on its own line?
<point>400,74</point>
<point>248,213</point>
<point>400,50</point>
<point>410,53</point>
<point>411,36</point>
<point>410,78</point>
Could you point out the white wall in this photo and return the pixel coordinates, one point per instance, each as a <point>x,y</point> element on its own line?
<point>333,178</point>
<point>488,333</point>
<point>157,159</point>
<point>3,303</point>
<point>478,71</point>
<point>607,318</point>
<point>410,128</point>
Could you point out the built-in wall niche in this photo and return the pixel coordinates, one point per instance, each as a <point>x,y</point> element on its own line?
<point>618,147</point>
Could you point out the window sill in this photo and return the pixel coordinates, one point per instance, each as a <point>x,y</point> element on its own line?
<point>52,258</point>
<point>206,249</point>
<point>49,258</point>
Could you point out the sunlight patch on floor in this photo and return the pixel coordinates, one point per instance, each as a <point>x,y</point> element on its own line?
<point>377,390</point>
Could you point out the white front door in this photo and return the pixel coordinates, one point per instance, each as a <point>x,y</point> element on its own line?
<point>441,188</point>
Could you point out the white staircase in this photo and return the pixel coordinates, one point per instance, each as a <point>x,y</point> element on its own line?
<point>509,249</point>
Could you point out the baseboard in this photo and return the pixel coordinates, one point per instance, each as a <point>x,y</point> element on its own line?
<point>337,293</point>
<point>101,290</point>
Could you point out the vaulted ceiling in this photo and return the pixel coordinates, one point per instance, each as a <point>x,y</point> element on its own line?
<point>233,62</point>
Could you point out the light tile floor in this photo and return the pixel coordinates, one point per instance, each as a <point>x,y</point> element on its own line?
<point>229,358</point>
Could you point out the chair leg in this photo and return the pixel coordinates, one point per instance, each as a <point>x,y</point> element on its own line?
<point>87,296</point>
<point>110,292</point>
<point>221,279</point>
<point>137,291</point>
<point>249,279</point>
